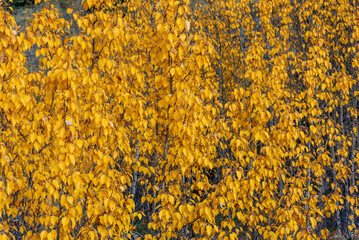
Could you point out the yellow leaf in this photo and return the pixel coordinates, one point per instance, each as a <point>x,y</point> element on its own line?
<point>123,179</point>
<point>52,235</point>
<point>65,221</point>
<point>233,236</point>
<point>252,183</point>
<point>171,38</point>
<point>72,159</point>
<point>172,200</point>
<point>181,10</point>
<point>9,188</point>
<point>167,214</point>
<point>209,230</point>
<point>63,200</point>
<point>351,189</point>
<point>208,212</point>
<point>299,235</point>
<point>133,70</point>
<point>102,230</point>
<point>110,219</point>
<point>59,51</point>
<point>159,27</point>
<point>92,235</point>
<point>70,199</point>
<point>182,209</point>
<point>38,52</point>
<point>43,50</point>
<point>313,222</point>
<point>43,235</point>
<point>199,60</point>
<point>32,137</point>
<point>180,23</point>
<point>69,10</point>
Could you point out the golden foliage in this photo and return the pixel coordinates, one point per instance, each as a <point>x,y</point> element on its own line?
<point>220,119</point>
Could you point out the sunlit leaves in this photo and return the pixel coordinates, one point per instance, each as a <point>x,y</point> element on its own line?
<point>226,119</point>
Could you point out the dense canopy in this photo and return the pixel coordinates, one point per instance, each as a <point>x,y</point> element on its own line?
<point>178,119</point>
